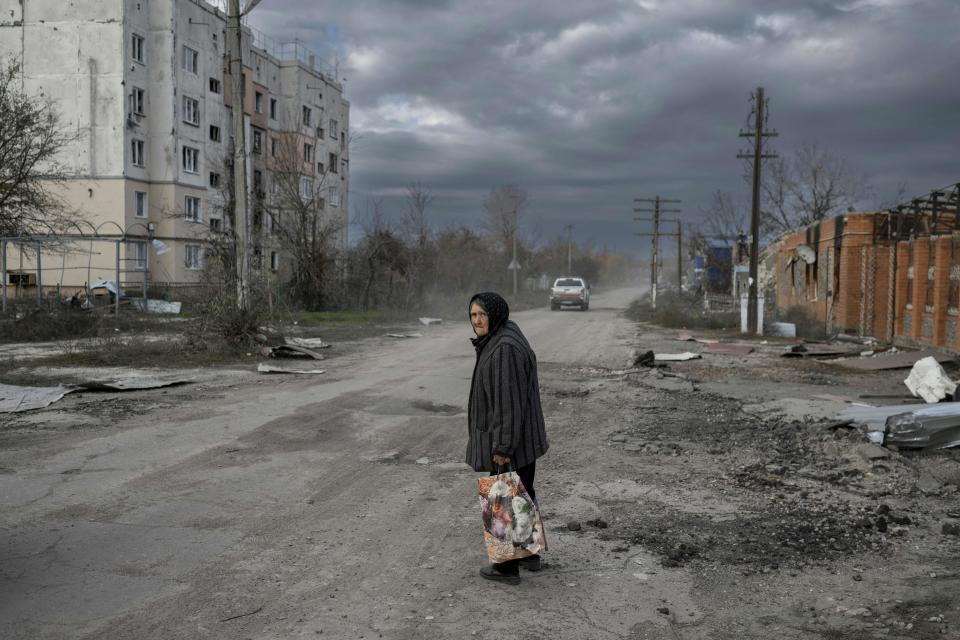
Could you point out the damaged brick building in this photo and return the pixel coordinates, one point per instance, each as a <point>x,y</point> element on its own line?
<point>892,274</point>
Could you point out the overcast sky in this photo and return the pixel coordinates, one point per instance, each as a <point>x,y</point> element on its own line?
<point>589,104</point>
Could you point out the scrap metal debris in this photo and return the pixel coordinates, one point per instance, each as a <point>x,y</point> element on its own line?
<point>269,368</point>
<point>429,321</point>
<point>309,343</point>
<point>890,360</point>
<point>731,348</point>
<point>14,398</point>
<point>676,357</point>
<point>290,351</point>
<point>404,335</point>
<point>935,427</point>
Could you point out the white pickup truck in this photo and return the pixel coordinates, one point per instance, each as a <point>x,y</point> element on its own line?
<point>570,292</point>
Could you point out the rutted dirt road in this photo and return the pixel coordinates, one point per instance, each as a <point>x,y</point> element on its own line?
<point>337,506</point>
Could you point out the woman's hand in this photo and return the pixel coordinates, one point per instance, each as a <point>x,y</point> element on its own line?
<point>500,460</point>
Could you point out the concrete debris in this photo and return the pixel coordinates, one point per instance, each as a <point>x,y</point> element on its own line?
<point>308,343</point>
<point>929,381</point>
<point>891,359</point>
<point>932,427</point>
<point>782,329</point>
<point>676,357</point>
<point>429,321</point>
<point>269,368</point>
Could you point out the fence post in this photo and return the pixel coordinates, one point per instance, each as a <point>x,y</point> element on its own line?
<point>3,268</point>
<point>116,298</point>
<point>39,274</point>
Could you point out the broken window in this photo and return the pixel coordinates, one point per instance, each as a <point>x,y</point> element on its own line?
<point>191,208</point>
<point>910,275</point>
<point>274,261</point>
<point>306,116</point>
<point>258,141</point>
<point>140,204</point>
<point>332,163</point>
<point>258,102</point>
<point>214,180</point>
<point>140,250</point>
<point>273,108</point>
<point>953,297</point>
<point>333,196</point>
<point>137,101</point>
<point>136,153</point>
<point>214,133</point>
<point>928,299</point>
<point>307,152</point>
<point>191,160</point>
<point>334,131</point>
<point>215,86</point>
<point>191,111</point>
<point>191,59</point>
<point>273,147</point>
<point>215,225</point>
<point>137,48</point>
<point>192,256</point>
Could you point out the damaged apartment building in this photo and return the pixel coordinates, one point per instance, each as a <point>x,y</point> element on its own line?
<point>143,87</point>
<point>892,274</point>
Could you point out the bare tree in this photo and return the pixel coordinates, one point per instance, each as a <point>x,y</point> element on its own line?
<point>726,218</point>
<point>503,208</point>
<point>31,135</point>
<point>811,185</point>
<point>297,218</point>
<point>415,223</point>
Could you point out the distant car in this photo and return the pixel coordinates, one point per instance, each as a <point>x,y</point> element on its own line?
<point>570,292</point>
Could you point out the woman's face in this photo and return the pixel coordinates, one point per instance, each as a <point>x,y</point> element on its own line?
<point>479,320</point>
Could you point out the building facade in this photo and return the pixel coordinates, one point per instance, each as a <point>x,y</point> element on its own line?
<point>144,85</point>
<point>893,274</point>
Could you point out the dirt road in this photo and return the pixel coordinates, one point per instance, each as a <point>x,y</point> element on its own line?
<point>338,506</point>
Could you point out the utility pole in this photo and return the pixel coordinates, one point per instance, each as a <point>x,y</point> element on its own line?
<point>241,218</point>
<point>569,229</point>
<point>655,242</point>
<point>759,115</point>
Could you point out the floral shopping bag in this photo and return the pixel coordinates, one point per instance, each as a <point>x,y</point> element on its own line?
<point>512,527</point>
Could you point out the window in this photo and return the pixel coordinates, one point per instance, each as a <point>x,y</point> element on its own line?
<point>273,147</point>
<point>343,140</point>
<point>258,182</point>
<point>215,86</point>
<point>306,187</point>
<point>332,163</point>
<point>306,116</point>
<point>214,133</point>
<point>274,261</point>
<point>191,59</point>
<point>137,48</point>
<point>273,108</point>
<point>140,250</point>
<point>343,167</point>
<point>191,160</point>
<point>140,204</point>
<point>137,101</point>
<point>191,208</point>
<point>215,225</point>
<point>192,256</point>
<point>191,110</point>
<point>320,168</point>
<point>334,131</point>
<point>136,149</point>
<point>214,179</point>
<point>258,102</point>
<point>320,132</point>
<point>257,141</point>
<point>307,152</point>
<point>333,197</point>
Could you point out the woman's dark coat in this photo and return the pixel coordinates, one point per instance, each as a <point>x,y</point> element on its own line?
<point>504,412</point>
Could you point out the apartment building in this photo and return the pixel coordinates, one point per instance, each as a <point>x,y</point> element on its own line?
<point>145,86</point>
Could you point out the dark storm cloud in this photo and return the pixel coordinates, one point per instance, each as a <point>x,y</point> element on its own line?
<point>588,105</point>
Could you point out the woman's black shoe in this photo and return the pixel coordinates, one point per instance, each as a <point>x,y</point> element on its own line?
<point>490,572</point>
<point>531,563</point>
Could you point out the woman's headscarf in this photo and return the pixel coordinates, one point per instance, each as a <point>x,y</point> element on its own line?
<point>498,312</point>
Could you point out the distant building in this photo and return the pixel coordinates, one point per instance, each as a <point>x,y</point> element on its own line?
<point>145,86</point>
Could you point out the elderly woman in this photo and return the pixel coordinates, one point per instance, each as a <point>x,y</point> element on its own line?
<point>505,419</point>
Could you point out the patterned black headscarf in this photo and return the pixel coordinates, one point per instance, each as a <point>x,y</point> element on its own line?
<point>498,312</point>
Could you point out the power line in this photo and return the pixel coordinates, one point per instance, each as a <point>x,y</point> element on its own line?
<point>656,211</point>
<point>759,115</point>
